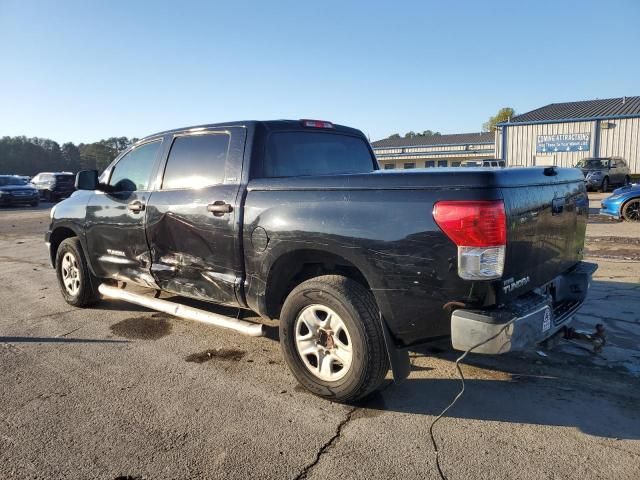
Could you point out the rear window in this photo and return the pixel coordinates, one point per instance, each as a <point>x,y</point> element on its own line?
<point>302,153</point>
<point>65,178</point>
<point>196,161</point>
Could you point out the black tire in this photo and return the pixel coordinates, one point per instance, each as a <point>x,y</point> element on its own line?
<point>46,196</point>
<point>627,180</point>
<point>35,203</point>
<point>631,210</point>
<point>605,185</point>
<point>357,309</point>
<point>84,283</point>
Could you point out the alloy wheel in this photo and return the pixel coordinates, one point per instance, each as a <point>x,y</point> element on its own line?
<point>323,342</point>
<point>70,273</point>
<point>632,211</point>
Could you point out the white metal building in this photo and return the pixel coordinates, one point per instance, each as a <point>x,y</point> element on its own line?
<point>563,133</point>
<point>433,150</point>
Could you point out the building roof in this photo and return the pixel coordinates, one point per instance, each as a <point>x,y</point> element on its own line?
<point>605,108</point>
<point>427,141</point>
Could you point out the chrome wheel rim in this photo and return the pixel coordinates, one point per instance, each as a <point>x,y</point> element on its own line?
<point>323,342</point>
<point>70,273</point>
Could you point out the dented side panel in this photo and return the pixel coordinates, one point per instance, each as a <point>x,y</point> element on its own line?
<point>195,252</point>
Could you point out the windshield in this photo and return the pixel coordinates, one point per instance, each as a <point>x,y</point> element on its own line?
<point>4,181</point>
<point>593,163</point>
<point>300,153</point>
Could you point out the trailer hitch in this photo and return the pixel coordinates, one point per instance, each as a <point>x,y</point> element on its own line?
<point>596,339</point>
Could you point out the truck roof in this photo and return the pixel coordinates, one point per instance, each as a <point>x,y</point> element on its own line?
<point>266,124</point>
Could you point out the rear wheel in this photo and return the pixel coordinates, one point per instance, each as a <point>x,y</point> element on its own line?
<point>331,338</point>
<point>631,210</point>
<point>35,203</point>
<point>46,196</point>
<point>605,184</point>
<point>77,284</point>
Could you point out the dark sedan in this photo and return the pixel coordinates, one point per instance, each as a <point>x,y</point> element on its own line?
<point>14,190</point>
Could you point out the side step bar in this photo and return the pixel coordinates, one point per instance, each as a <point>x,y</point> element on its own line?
<point>182,311</point>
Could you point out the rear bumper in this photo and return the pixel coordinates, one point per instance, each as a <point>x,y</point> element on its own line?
<point>527,321</point>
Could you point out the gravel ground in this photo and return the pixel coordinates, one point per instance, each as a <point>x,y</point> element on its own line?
<point>118,391</point>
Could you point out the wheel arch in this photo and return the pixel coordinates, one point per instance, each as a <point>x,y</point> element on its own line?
<point>57,236</point>
<point>295,266</point>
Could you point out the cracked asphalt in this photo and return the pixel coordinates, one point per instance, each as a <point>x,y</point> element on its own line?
<point>118,391</point>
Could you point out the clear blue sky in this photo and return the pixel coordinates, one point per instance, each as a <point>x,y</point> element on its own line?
<point>85,70</point>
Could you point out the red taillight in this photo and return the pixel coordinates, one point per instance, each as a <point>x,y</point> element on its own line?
<point>317,124</point>
<point>472,223</point>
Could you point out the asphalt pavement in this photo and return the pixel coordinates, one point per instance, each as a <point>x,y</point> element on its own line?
<point>118,391</point>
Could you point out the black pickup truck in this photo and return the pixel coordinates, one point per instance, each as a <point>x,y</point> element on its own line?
<point>295,221</point>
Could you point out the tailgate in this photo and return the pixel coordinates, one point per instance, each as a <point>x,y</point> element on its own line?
<point>546,224</point>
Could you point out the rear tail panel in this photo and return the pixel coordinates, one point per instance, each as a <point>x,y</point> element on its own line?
<point>546,224</point>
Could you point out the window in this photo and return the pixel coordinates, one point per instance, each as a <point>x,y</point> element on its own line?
<point>409,165</point>
<point>430,164</point>
<point>303,153</point>
<point>196,161</point>
<point>389,166</point>
<point>443,163</point>
<point>455,164</point>
<point>132,172</point>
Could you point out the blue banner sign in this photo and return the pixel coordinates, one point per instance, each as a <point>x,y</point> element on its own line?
<point>563,142</point>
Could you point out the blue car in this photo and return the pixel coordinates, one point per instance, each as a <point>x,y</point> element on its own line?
<point>624,203</point>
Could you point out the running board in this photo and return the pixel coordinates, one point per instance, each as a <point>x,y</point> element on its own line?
<point>182,311</point>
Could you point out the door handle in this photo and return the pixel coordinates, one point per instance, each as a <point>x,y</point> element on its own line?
<point>136,206</point>
<point>219,208</point>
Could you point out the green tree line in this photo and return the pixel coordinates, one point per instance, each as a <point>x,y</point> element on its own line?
<point>29,156</point>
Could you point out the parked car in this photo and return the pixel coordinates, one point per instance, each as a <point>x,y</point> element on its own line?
<point>54,186</point>
<point>15,191</point>
<point>482,162</point>
<point>602,173</point>
<point>493,163</point>
<point>623,203</point>
<point>295,221</point>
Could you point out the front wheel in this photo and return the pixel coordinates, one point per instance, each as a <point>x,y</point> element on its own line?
<point>332,340</point>
<point>605,185</point>
<point>631,210</point>
<point>76,283</point>
<point>627,181</point>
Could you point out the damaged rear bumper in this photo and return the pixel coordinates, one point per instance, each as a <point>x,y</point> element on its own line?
<point>531,319</point>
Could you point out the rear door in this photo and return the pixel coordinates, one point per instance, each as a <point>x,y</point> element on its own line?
<point>193,219</point>
<point>115,219</point>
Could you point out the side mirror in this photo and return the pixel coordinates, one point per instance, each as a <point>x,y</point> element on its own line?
<point>87,180</point>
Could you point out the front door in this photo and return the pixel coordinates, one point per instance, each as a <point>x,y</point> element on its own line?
<point>115,222</point>
<point>192,219</point>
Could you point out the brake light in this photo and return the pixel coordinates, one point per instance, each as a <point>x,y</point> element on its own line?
<point>479,230</point>
<point>317,124</point>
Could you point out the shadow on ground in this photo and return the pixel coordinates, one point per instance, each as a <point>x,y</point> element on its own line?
<point>509,389</point>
